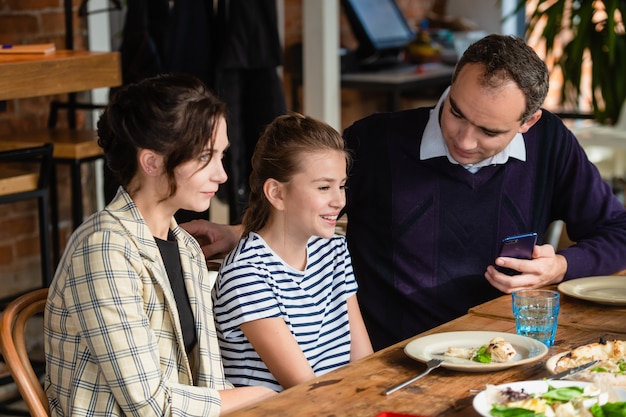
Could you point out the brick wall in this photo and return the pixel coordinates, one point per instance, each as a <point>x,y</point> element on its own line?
<point>21,22</point>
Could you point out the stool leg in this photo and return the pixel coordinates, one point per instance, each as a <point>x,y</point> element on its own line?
<point>77,194</point>
<point>54,215</point>
<point>44,240</point>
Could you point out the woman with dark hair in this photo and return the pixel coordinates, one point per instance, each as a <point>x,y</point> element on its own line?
<point>129,323</point>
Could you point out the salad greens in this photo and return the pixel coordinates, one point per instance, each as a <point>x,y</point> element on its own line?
<point>609,410</point>
<point>504,411</point>
<point>560,395</point>
<point>621,364</point>
<point>482,355</point>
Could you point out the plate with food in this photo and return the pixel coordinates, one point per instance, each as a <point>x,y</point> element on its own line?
<point>476,351</point>
<point>608,290</point>
<point>611,367</point>
<point>550,398</point>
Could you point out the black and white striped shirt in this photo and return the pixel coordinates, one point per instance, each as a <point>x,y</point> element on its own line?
<point>254,283</point>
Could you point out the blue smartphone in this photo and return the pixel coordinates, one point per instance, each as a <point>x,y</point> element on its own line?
<point>518,246</point>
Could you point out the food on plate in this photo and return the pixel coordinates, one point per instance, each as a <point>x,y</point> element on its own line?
<point>566,401</point>
<point>501,350</point>
<point>498,350</point>
<point>612,365</point>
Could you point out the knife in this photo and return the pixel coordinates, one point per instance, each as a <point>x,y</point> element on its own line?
<point>573,371</point>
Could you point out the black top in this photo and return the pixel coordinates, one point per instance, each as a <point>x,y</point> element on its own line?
<point>171,259</point>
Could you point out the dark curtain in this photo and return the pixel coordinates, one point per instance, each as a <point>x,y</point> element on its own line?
<point>248,51</point>
<point>142,52</point>
<point>234,49</point>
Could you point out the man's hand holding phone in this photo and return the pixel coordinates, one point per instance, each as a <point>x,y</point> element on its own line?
<point>546,267</point>
<point>518,246</point>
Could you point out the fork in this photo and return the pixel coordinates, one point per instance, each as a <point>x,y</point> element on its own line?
<point>430,365</point>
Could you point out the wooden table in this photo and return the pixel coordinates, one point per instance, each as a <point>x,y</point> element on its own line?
<point>358,389</point>
<point>33,75</point>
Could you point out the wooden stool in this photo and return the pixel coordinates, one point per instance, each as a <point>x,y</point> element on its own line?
<point>71,147</point>
<point>18,182</point>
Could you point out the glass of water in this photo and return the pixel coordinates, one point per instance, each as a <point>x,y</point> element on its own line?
<point>536,314</point>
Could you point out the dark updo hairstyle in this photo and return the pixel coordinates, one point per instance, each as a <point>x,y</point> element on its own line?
<point>279,153</point>
<point>173,115</point>
<point>509,58</point>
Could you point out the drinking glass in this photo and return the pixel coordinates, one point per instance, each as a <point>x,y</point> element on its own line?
<point>536,314</point>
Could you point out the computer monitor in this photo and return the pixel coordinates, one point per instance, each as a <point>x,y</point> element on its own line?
<point>380,28</point>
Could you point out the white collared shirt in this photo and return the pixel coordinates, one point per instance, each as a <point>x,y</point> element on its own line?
<point>434,146</point>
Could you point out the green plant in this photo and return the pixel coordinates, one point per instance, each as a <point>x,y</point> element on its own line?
<point>596,26</point>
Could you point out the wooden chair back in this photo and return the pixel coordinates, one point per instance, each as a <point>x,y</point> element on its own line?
<point>14,351</point>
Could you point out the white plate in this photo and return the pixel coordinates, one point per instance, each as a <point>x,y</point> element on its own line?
<point>434,345</point>
<point>551,362</point>
<point>482,405</point>
<point>609,290</point>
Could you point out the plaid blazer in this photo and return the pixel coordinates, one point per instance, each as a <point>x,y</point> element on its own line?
<point>113,341</point>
